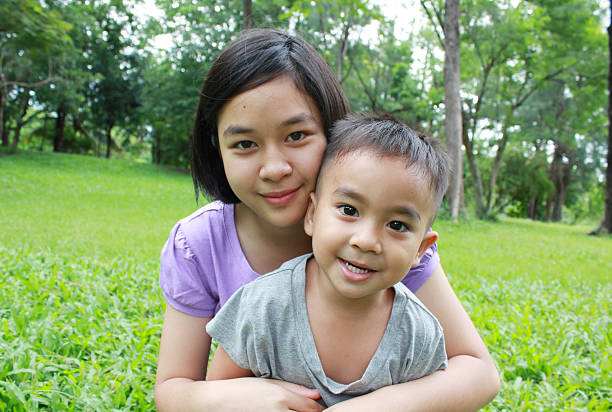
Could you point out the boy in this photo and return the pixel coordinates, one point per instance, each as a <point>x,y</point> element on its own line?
<point>341,321</point>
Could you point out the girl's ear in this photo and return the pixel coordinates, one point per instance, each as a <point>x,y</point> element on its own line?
<point>428,240</point>
<point>308,219</point>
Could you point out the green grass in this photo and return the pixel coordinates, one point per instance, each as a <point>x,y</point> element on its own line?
<point>79,205</point>
<point>81,309</point>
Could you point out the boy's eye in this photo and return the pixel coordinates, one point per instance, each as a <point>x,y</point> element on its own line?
<point>348,210</point>
<point>296,136</point>
<point>244,144</point>
<point>398,226</point>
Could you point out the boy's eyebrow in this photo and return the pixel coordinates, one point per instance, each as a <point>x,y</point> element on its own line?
<point>402,210</point>
<point>342,190</point>
<point>406,210</point>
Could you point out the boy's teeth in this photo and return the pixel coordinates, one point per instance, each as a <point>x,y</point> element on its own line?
<point>355,269</point>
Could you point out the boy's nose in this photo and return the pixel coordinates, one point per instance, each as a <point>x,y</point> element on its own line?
<point>367,239</point>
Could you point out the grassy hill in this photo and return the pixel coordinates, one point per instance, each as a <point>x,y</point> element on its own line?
<point>81,310</point>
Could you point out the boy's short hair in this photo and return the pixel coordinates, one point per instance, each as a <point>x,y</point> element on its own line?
<point>256,57</point>
<point>387,136</point>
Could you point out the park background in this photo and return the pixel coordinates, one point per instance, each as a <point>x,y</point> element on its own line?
<point>97,105</point>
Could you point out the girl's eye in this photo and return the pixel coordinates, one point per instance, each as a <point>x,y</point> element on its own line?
<point>348,210</point>
<point>244,144</point>
<point>398,226</point>
<point>296,136</point>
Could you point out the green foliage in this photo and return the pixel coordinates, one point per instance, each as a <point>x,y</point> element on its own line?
<point>588,205</point>
<point>82,310</point>
<point>533,77</point>
<point>30,25</point>
<point>525,184</point>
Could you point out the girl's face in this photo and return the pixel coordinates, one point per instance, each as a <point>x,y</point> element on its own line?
<point>272,140</point>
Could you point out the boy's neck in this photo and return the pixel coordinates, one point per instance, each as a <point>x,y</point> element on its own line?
<point>346,332</point>
<point>267,246</point>
<point>321,292</point>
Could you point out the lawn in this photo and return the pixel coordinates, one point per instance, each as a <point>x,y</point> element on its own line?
<point>81,310</point>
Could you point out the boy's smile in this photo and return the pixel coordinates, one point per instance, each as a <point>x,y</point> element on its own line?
<point>369,222</point>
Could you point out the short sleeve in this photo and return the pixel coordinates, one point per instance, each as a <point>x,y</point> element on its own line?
<point>236,331</point>
<point>182,277</point>
<point>418,275</point>
<point>431,352</point>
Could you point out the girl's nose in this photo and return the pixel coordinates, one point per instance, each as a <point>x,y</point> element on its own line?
<point>367,239</point>
<point>275,167</point>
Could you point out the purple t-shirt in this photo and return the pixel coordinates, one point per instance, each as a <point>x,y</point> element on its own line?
<point>202,263</point>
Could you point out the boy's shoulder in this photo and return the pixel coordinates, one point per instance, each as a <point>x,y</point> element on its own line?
<point>406,301</point>
<point>286,275</point>
<point>270,296</point>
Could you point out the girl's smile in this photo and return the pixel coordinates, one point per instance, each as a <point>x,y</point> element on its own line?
<point>281,197</point>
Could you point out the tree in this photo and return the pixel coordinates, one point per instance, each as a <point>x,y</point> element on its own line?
<point>452,103</point>
<point>333,28</point>
<point>31,36</point>
<point>248,15</point>
<point>606,221</point>
<point>65,97</point>
<point>114,95</point>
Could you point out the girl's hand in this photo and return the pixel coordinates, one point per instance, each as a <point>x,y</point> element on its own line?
<point>180,384</point>
<point>257,394</point>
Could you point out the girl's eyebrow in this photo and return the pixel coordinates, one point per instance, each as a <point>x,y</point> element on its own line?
<point>298,118</point>
<point>233,129</point>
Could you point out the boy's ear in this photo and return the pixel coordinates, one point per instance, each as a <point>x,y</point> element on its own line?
<point>428,240</point>
<point>308,219</point>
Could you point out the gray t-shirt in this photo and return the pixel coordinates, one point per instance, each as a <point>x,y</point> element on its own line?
<point>264,327</point>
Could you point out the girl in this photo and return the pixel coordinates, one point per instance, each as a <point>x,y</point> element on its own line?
<point>266,106</point>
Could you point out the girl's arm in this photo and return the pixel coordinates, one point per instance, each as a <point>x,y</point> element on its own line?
<point>181,370</point>
<point>471,379</point>
<point>224,367</point>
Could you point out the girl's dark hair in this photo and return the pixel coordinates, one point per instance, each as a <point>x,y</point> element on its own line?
<point>387,136</point>
<point>253,59</point>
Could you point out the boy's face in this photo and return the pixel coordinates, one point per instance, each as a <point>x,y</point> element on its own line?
<point>369,222</point>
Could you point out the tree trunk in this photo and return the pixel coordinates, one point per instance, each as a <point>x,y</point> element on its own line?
<point>16,135</point>
<point>5,135</point>
<point>606,221</point>
<point>533,206</point>
<point>479,208</point>
<point>452,103</point>
<point>496,165</point>
<point>60,123</point>
<point>248,15</point>
<point>560,173</point>
<point>24,105</point>
<point>342,53</point>
<point>156,148</point>
<point>3,132</point>
<point>109,142</point>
